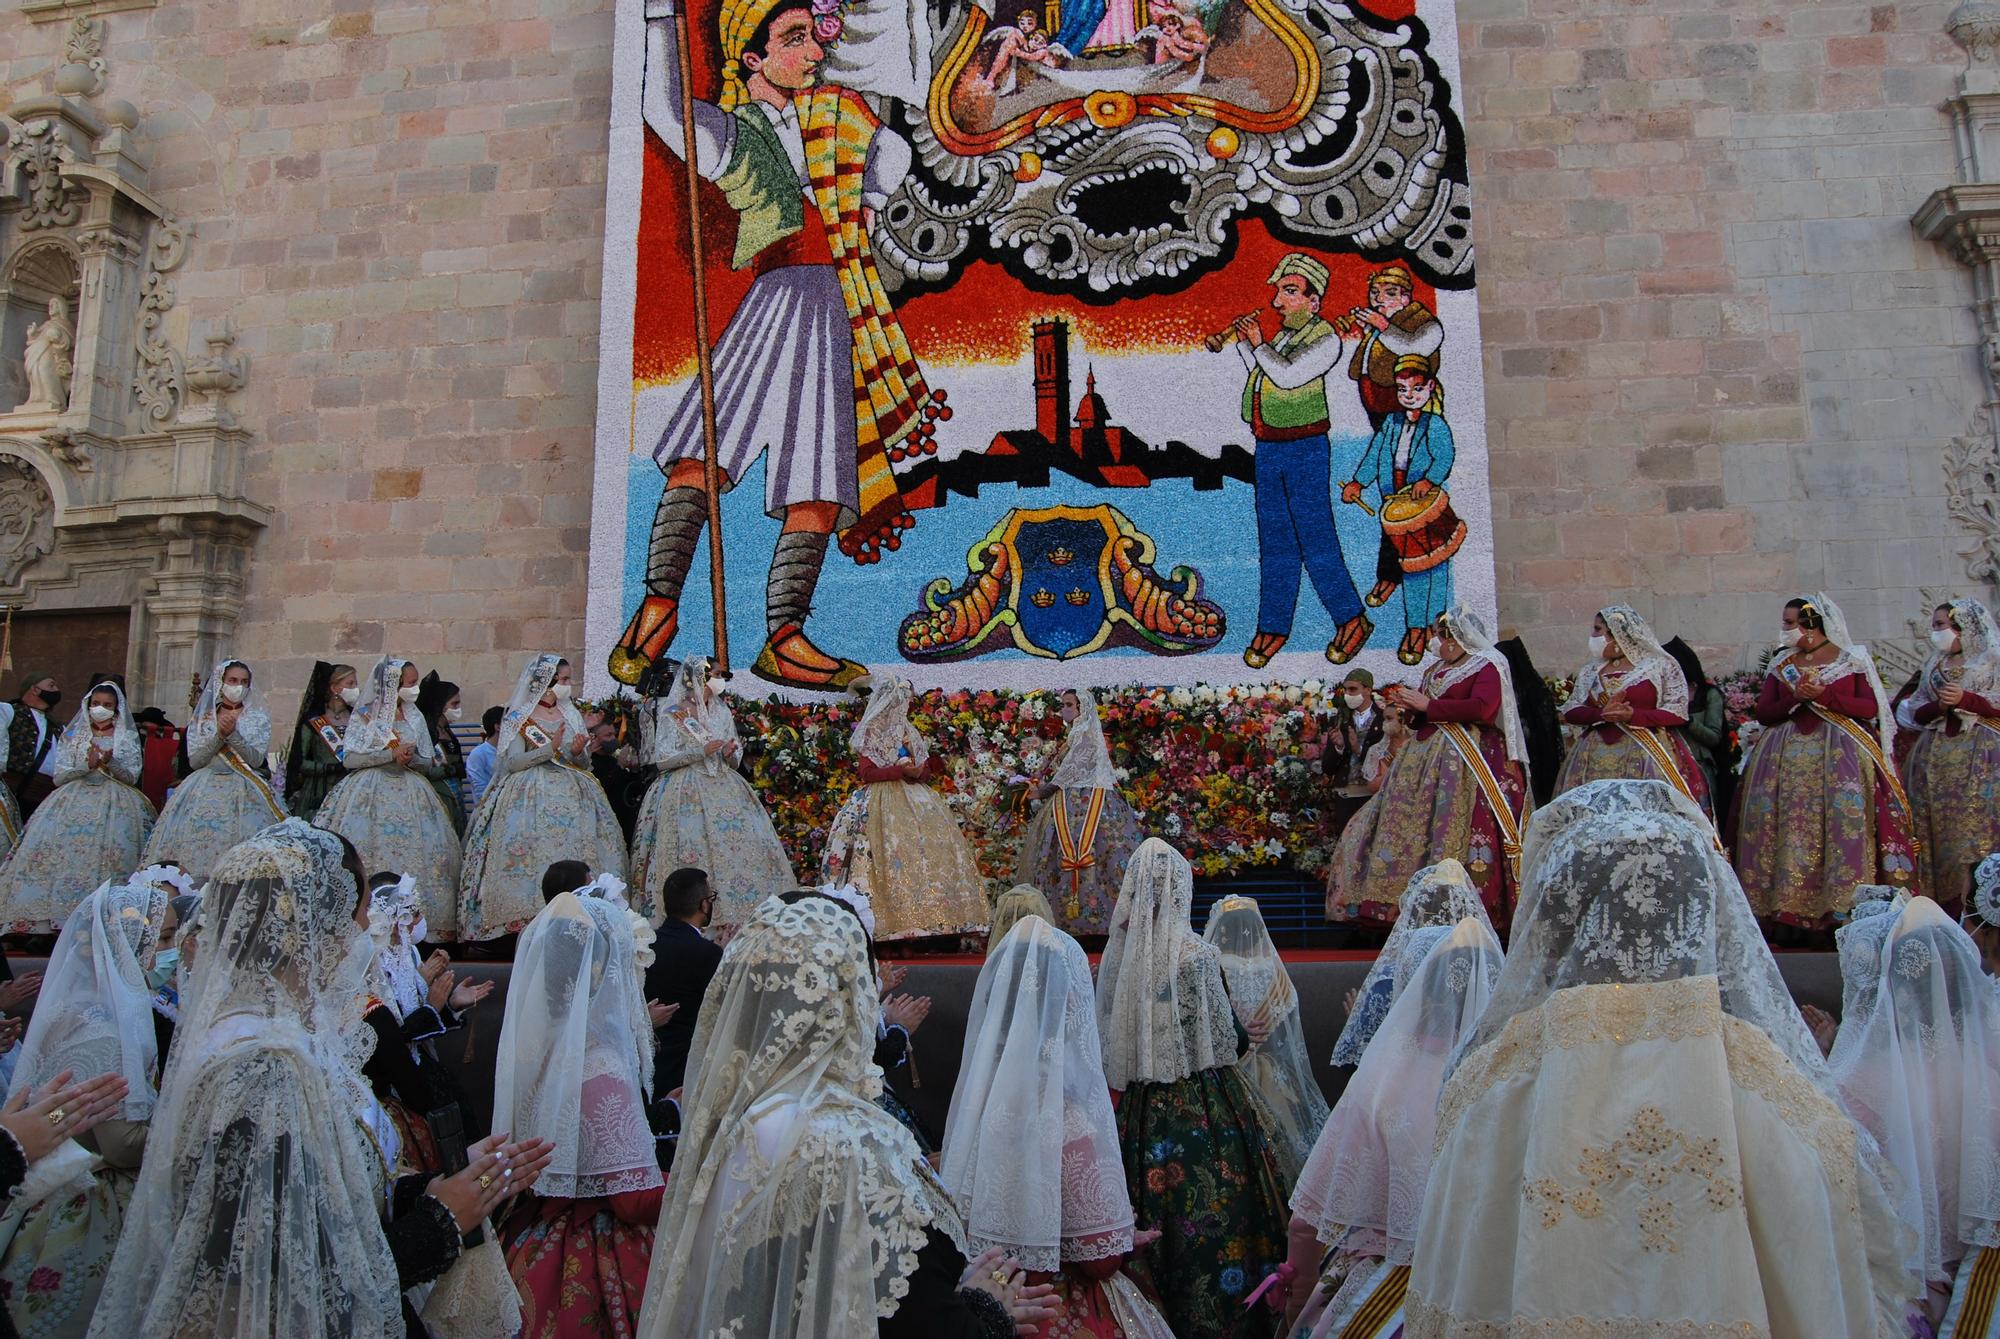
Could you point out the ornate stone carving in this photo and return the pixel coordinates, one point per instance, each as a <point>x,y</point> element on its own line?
<point>159,381</point>
<point>212,377</point>
<point>47,360</point>
<point>37,153</point>
<point>85,71</point>
<point>1975,26</point>
<point>70,449</point>
<point>1972,495</point>
<point>27,517</point>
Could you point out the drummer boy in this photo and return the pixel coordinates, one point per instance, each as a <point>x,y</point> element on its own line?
<point>1413,451</point>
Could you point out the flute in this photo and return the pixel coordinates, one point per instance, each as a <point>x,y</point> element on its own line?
<point>1215,342</point>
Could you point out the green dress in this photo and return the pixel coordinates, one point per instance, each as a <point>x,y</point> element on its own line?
<point>311,772</point>
<point>1199,1166</point>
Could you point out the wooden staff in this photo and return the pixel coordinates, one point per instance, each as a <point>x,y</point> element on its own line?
<point>711,468</point>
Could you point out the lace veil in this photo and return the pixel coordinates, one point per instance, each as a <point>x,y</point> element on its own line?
<point>1651,663</point>
<point>576,1051</point>
<point>797,1205</point>
<point>253,727</point>
<point>1985,901</point>
<point>1371,1162</point>
<point>1161,1004</point>
<point>396,922</point>
<point>692,708</point>
<point>73,745</point>
<point>1030,1149</point>
<point>1854,658</point>
<point>1979,658</point>
<point>1622,881</point>
<point>1086,759</point>
<point>1437,896</point>
<point>1259,986</point>
<point>1918,1065</point>
<point>1469,631</point>
<point>1014,906</point>
<point>95,1011</point>
<point>884,729</point>
<point>258,1207</point>
<point>382,715</point>
<point>533,685</point>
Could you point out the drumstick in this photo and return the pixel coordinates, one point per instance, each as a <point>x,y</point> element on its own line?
<point>1364,506</point>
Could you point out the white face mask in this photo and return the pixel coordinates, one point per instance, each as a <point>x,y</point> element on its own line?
<point>1942,638</point>
<point>1356,701</point>
<point>420,931</point>
<point>234,692</point>
<point>350,694</point>
<point>454,714</point>
<point>1790,636</point>
<point>101,713</point>
<point>407,694</point>
<point>561,692</point>
<point>1597,645</point>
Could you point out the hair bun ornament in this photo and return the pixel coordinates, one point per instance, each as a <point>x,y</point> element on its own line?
<point>609,887</point>
<point>154,875</point>
<point>852,897</point>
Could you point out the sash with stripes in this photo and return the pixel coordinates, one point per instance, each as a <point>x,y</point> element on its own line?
<point>249,773</point>
<point>539,738</point>
<point>1654,742</point>
<point>1974,1312</point>
<point>9,826</point>
<point>1375,1310</point>
<point>1077,852</point>
<point>1872,746</point>
<point>329,737</point>
<point>1467,743</point>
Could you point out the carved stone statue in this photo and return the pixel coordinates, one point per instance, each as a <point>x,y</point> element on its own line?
<point>48,359</point>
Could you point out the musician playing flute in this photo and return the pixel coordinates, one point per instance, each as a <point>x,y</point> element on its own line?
<point>1284,402</point>
<point>1412,450</point>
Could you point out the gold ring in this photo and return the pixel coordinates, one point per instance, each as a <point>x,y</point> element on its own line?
<point>1000,1277</point>
<point>57,1116</point>
<point>485,1181</point>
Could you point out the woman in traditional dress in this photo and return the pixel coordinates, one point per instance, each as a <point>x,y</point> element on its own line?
<point>438,704</point>
<point>798,1206</point>
<point>1198,1159</point>
<point>1354,1213</point>
<point>1262,993</point>
<point>1821,808</point>
<point>1630,701</point>
<point>385,805</point>
<point>226,797</point>
<point>1640,1135</point>
<point>896,839</point>
<point>1455,791</point>
<point>319,737</point>
<point>1014,906</point>
<point>1917,1063</point>
<point>261,1206</point>
<point>544,805</point>
<point>94,827</point>
<point>575,1064</point>
<point>1077,843</point>
<point>11,821</point>
<point>1031,1150</point>
<point>94,1015</point>
<point>1953,768</point>
<point>700,812</point>
<point>1439,895</point>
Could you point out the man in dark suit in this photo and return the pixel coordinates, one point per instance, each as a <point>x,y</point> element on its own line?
<point>684,960</point>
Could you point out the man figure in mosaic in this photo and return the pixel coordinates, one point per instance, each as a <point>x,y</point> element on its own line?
<point>813,368</point>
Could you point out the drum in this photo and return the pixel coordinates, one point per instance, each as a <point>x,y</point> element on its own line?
<point>1424,531</point>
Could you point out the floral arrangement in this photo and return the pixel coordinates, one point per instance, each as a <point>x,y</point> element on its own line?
<point>1229,774</point>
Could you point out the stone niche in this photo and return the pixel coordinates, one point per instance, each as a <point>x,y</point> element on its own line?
<point>121,459</point>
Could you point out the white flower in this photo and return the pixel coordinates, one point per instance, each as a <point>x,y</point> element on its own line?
<point>1181,697</point>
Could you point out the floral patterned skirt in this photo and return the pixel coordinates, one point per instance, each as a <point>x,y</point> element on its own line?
<point>397,822</point>
<point>714,822</point>
<point>1954,787</point>
<point>1593,758</point>
<point>93,829</point>
<point>1813,819</point>
<point>581,1269</point>
<point>1430,806</point>
<point>1082,899</point>
<point>527,821</point>
<point>55,1252</point>
<point>212,810</point>
<point>1092,1308</point>
<point>898,842</point>
<point>1198,1165</point>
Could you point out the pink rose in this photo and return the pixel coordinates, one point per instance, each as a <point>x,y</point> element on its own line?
<point>827,28</point>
